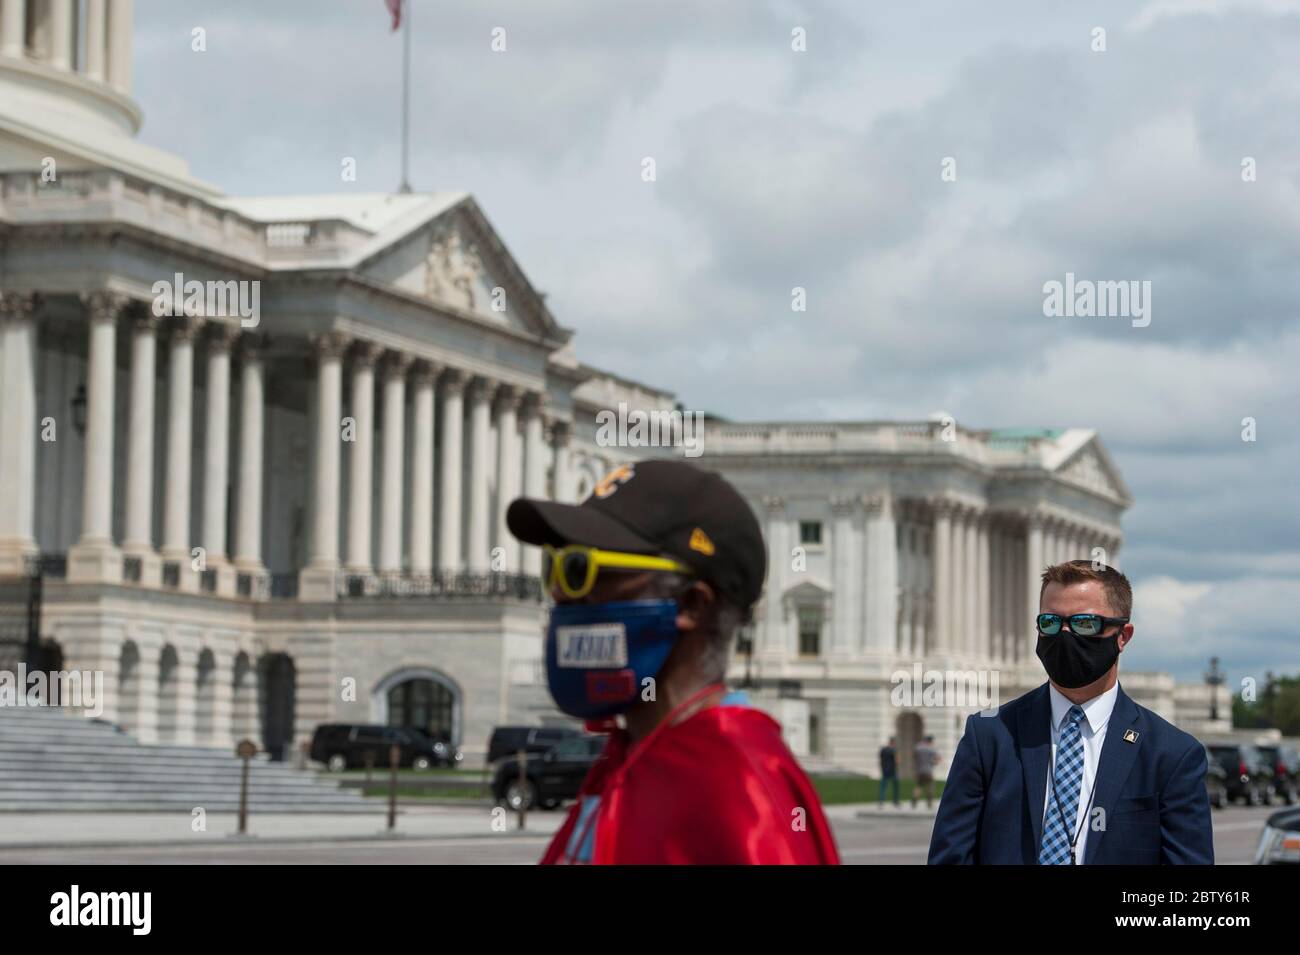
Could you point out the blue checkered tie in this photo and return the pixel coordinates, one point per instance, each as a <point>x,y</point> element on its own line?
<point>1066,782</point>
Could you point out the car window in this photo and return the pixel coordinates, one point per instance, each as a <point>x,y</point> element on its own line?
<point>550,735</point>
<point>570,748</point>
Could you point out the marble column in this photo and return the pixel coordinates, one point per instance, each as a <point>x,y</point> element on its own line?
<point>1034,566</point>
<point>96,39</point>
<point>534,468</point>
<point>13,27</point>
<point>941,595</point>
<point>140,449</point>
<point>95,557</point>
<point>391,509</point>
<point>563,435</point>
<point>180,438</point>
<point>422,381</point>
<point>18,428</point>
<point>361,457</point>
<point>119,45</point>
<point>846,571</point>
<point>449,504</point>
<point>252,416</point>
<point>317,581</point>
<point>216,455</point>
<point>984,567</point>
<point>480,420</point>
<point>509,471</point>
<point>882,574</point>
<point>60,13</point>
<point>774,646</point>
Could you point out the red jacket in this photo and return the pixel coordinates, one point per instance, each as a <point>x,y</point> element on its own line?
<point>719,788</point>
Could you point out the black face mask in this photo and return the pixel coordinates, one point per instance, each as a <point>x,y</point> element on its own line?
<point>1073,661</point>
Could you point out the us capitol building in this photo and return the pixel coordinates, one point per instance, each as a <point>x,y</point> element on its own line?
<point>289,509</point>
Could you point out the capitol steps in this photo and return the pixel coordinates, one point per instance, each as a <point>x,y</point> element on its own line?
<point>53,761</point>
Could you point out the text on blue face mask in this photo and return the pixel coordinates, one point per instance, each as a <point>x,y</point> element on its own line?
<point>591,645</point>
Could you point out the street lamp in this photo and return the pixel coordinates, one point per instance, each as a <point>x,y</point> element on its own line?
<point>1214,678</point>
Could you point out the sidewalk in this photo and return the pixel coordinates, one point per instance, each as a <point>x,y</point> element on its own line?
<point>109,829</point>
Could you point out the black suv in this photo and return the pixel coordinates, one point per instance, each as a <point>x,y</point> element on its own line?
<point>1286,771</point>
<point>343,746</point>
<point>508,740</point>
<point>550,777</point>
<point>1249,777</point>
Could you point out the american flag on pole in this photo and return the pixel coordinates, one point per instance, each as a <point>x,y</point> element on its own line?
<point>395,9</point>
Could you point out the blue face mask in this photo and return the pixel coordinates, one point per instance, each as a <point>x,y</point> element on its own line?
<point>598,655</point>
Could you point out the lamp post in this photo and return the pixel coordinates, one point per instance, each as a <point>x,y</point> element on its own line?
<point>1214,678</point>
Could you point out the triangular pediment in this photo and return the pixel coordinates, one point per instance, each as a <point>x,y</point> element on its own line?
<point>455,260</point>
<point>1089,467</point>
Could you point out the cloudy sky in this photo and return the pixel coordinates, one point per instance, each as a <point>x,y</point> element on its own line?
<point>822,169</point>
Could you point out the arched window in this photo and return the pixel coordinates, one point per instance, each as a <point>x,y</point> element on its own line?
<point>421,699</point>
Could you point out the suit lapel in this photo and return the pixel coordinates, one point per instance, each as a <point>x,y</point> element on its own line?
<point>1035,734</point>
<point>1115,764</point>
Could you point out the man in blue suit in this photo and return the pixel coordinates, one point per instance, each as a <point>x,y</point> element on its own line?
<point>1075,772</point>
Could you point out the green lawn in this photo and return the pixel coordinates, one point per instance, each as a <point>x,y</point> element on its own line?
<point>835,790</point>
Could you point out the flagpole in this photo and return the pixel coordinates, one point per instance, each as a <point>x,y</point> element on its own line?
<point>406,97</point>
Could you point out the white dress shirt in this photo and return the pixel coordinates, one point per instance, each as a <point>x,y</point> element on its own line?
<point>1092,731</point>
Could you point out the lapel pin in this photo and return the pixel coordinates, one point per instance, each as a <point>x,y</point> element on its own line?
<point>1130,736</point>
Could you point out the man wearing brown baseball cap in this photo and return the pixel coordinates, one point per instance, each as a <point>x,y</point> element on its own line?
<point>651,578</point>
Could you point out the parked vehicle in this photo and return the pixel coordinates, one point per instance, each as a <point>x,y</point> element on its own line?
<point>1279,842</point>
<point>1286,771</point>
<point>550,777</point>
<point>1248,775</point>
<point>1215,781</point>
<point>508,740</point>
<point>343,746</point>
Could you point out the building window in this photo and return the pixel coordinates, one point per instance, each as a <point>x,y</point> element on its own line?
<point>810,533</point>
<point>810,631</point>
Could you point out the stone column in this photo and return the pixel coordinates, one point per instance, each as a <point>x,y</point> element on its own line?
<point>449,504</point>
<point>1012,626</point>
<point>846,577</point>
<point>95,557</point>
<point>252,414</point>
<point>509,470</point>
<point>563,432</point>
<point>96,39</point>
<point>216,455</point>
<point>361,457</point>
<point>140,448</point>
<point>18,424</point>
<point>391,508</point>
<point>480,420</point>
<point>1034,566</point>
<point>13,27</point>
<point>971,575</point>
<point>422,468</point>
<point>60,34</point>
<point>774,646</point>
<point>119,45</point>
<point>983,582</point>
<point>317,579</point>
<point>534,468</point>
<point>882,574</point>
<point>941,592</point>
<point>180,438</point>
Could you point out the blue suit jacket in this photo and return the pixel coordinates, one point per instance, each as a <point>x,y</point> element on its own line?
<point>1153,790</point>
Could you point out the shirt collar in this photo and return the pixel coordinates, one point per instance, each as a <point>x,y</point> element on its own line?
<point>1096,712</point>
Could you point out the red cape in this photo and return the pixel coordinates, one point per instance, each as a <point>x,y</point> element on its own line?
<point>720,788</point>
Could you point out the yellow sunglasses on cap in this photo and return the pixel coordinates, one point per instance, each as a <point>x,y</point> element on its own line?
<point>574,568</point>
